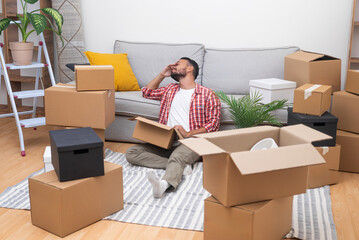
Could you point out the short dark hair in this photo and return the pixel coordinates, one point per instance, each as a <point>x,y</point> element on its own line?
<point>194,65</point>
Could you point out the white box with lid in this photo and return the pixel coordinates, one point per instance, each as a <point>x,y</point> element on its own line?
<point>273,89</point>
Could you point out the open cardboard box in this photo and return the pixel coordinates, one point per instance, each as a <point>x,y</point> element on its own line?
<point>315,68</point>
<point>234,175</point>
<point>155,133</point>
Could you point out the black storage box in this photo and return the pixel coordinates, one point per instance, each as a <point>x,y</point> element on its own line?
<point>76,153</point>
<point>327,123</point>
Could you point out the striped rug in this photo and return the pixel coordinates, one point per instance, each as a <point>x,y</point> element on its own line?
<point>183,209</point>
<point>312,215</point>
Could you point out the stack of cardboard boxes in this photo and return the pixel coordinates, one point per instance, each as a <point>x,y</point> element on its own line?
<point>317,76</point>
<point>252,190</point>
<point>91,103</point>
<point>82,189</point>
<point>311,102</point>
<point>345,107</point>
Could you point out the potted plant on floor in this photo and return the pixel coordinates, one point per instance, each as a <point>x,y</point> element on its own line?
<point>22,51</point>
<point>249,112</point>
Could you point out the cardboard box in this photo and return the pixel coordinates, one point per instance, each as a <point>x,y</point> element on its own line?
<point>306,67</point>
<point>65,207</point>
<point>272,89</point>
<point>95,77</point>
<point>345,108</point>
<point>47,160</point>
<point>352,83</point>
<point>269,220</point>
<point>327,123</point>
<point>155,133</point>
<point>234,175</point>
<point>65,106</point>
<point>76,153</point>
<point>349,160</point>
<point>312,99</point>
<point>325,174</point>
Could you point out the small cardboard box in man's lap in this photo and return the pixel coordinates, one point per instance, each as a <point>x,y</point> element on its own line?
<point>155,133</point>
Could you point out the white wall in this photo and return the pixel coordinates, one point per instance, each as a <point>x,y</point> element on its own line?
<point>315,25</point>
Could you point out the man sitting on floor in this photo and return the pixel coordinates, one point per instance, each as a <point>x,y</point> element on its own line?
<point>186,106</point>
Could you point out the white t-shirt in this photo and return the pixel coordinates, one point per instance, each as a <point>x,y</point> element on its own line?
<point>179,112</point>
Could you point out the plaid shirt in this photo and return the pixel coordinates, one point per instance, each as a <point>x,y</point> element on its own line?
<point>204,110</point>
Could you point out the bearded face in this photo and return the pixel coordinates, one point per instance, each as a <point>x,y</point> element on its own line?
<point>179,71</point>
<point>178,76</point>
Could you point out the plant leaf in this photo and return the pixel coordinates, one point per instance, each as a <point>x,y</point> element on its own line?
<point>4,23</point>
<point>249,112</point>
<point>59,20</point>
<point>38,21</point>
<point>31,1</point>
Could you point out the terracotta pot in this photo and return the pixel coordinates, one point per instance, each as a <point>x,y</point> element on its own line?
<point>22,52</point>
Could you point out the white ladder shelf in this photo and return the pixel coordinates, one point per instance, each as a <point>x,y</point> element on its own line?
<point>32,122</point>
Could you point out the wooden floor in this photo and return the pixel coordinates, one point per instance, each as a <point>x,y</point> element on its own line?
<point>16,224</point>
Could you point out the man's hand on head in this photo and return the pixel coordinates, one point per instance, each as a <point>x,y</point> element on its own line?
<point>155,83</point>
<point>183,132</point>
<point>168,70</point>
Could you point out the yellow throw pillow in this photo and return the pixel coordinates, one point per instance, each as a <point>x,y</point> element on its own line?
<point>125,79</point>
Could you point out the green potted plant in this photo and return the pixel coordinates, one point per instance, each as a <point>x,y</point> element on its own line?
<point>22,51</point>
<point>249,112</point>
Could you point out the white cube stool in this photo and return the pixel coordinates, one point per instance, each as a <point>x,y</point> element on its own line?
<point>47,159</point>
<point>273,89</point>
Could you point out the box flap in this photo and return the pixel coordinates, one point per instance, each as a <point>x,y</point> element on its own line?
<point>306,56</point>
<point>302,132</point>
<point>179,134</point>
<point>201,146</point>
<point>276,159</point>
<point>151,122</point>
<point>235,131</point>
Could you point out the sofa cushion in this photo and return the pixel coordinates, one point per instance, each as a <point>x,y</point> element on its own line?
<point>149,59</point>
<point>133,104</point>
<point>229,70</point>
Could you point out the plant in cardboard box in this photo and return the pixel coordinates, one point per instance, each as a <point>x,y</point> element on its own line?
<point>249,112</point>
<point>22,51</point>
